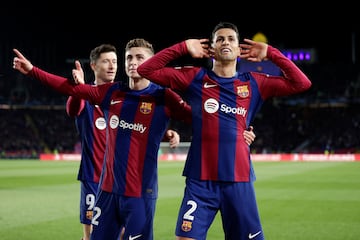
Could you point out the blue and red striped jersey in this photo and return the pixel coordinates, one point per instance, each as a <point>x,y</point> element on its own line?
<point>222,108</point>
<point>91,126</point>
<point>136,122</point>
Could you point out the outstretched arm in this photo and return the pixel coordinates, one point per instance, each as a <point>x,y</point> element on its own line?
<point>24,66</point>
<point>20,63</point>
<point>58,83</point>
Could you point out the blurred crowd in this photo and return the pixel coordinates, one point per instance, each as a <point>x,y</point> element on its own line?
<point>325,119</point>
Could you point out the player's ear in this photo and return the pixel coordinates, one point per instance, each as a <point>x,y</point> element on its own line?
<point>92,65</point>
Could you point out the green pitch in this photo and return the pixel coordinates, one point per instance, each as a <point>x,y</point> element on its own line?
<point>297,200</point>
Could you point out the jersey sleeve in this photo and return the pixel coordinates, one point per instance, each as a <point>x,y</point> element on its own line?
<point>157,70</point>
<point>94,94</point>
<point>292,81</point>
<point>74,106</point>
<point>176,107</point>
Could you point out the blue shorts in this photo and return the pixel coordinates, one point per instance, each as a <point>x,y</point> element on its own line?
<point>113,211</point>
<point>236,202</point>
<point>88,192</point>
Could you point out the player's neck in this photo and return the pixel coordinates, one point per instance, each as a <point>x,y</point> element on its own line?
<point>138,83</point>
<point>99,81</point>
<point>224,69</point>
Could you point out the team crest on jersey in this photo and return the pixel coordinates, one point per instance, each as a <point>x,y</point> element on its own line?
<point>146,107</point>
<point>243,91</point>
<point>186,226</point>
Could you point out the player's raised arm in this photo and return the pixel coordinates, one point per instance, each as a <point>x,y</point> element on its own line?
<point>20,63</point>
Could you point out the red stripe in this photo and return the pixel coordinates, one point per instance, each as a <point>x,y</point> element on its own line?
<point>210,126</point>
<point>136,159</point>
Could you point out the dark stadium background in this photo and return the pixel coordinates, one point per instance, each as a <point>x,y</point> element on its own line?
<point>52,35</point>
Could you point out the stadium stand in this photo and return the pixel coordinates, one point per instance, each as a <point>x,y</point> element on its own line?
<point>324,119</point>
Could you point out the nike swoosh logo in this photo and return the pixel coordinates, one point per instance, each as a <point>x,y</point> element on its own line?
<point>251,236</point>
<point>207,85</point>
<point>134,237</point>
<point>115,102</point>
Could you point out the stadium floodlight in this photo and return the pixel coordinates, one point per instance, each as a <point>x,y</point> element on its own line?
<point>303,55</point>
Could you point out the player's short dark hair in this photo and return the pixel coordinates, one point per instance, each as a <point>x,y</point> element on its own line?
<point>222,25</point>
<point>103,48</point>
